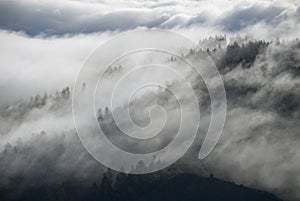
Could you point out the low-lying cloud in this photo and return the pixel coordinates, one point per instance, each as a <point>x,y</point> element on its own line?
<point>45,43</point>
<point>259,145</point>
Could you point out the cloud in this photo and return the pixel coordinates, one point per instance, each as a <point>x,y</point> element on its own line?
<point>277,18</point>
<point>260,136</point>
<point>43,45</point>
<point>34,65</point>
<point>69,17</point>
<point>244,15</point>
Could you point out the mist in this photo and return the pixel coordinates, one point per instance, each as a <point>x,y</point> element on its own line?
<point>45,44</point>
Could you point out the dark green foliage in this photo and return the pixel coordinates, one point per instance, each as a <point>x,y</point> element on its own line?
<point>244,54</point>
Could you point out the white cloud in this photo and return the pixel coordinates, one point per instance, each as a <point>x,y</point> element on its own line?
<point>34,65</point>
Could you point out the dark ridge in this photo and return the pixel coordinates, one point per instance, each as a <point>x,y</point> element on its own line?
<point>155,186</point>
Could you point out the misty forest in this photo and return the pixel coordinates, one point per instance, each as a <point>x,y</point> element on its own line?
<point>150,100</point>
<point>262,86</point>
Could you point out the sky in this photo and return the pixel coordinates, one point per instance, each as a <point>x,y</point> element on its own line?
<point>44,44</point>
<point>264,19</point>
<point>63,33</point>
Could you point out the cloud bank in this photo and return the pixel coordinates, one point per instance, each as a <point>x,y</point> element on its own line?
<point>265,19</point>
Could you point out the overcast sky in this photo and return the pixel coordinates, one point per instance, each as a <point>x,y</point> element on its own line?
<point>266,19</point>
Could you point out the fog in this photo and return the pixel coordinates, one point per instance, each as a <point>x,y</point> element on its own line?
<point>44,45</point>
